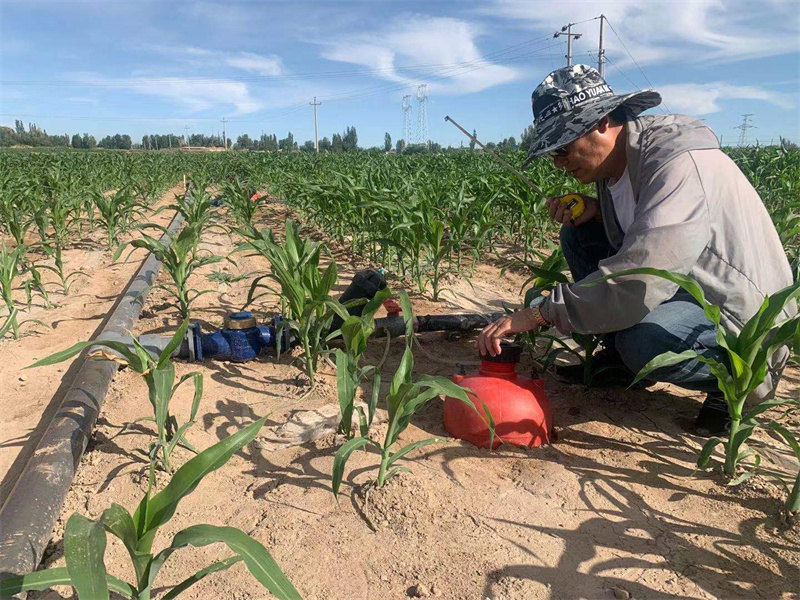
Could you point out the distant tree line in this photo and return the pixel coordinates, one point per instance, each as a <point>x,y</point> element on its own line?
<point>34,136</point>
<point>337,143</point>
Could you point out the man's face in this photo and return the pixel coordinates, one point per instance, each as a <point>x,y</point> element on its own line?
<point>592,157</point>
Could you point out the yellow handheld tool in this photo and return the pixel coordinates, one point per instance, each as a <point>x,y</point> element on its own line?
<point>573,202</point>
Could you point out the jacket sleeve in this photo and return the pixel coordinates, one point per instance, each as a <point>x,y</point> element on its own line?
<point>670,230</point>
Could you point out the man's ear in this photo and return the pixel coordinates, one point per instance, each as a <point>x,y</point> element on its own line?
<point>603,124</point>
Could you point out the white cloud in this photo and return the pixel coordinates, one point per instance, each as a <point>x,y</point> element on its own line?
<point>418,40</point>
<point>204,58</point>
<point>82,99</point>
<point>704,98</point>
<point>198,96</point>
<point>193,94</point>
<point>702,31</point>
<point>250,61</point>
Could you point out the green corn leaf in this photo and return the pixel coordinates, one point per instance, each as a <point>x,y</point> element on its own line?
<point>9,322</point>
<point>747,474</point>
<point>786,435</point>
<point>346,389</point>
<point>667,359</point>
<point>43,580</point>
<point>160,508</point>
<point>119,522</point>
<point>766,405</point>
<point>373,399</point>
<point>340,460</point>
<point>708,448</point>
<point>118,347</point>
<point>84,549</point>
<point>190,581</point>
<point>410,448</point>
<point>174,343</point>
<point>394,471</point>
<point>683,281</point>
<point>257,558</point>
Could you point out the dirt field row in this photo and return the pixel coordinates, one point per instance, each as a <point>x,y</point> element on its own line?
<point>612,509</point>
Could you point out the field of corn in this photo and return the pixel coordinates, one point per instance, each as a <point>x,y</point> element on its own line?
<point>288,476</point>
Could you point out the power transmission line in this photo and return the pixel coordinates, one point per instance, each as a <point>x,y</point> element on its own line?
<point>634,61</point>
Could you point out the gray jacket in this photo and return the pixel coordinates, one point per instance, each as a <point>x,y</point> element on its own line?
<point>697,214</point>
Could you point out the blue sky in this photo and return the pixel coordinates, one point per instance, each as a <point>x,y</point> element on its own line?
<point>157,67</point>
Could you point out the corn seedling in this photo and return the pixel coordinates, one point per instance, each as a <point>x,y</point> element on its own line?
<point>304,288</point>
<point>85,540</point>
<point>116,213</point>
<point>748,354</point>
<point>356,331</point>
<point>180,258</point>
<point>405,398</point>
<point>159,374</point>
<point>58,215</point>
<point>243,201</point>
<point>12,266</point>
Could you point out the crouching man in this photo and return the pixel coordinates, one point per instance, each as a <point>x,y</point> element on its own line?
<point>668,198</point>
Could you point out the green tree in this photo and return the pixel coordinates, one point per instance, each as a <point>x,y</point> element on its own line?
<point>76,141</point>
<point>387,142</point>
<point>401,145</point>
<point>472,141</point>
<point>308,146</point>
<point>350,139</point>
<point>287,144</point>
<point>337,145</point>
<point>243,142</point>
<point>325,145</point>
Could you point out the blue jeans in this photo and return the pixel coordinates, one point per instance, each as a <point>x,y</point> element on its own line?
<point>676,325</point>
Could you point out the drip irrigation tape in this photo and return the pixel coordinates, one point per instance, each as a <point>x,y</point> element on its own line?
<point>35,503</point>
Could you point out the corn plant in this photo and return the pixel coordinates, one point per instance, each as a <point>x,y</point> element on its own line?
<point>356,331</point>
<point>159,374</point>
<point>243,201</point>
<point>59,215</point>
<point>197,208</point>
<point>116,213</point>
<point>304,288</point>
<point>405,398</point>
<point>180,258</point>
<point>85,540</point>
<point>12,266</point>
<point>748,354</point>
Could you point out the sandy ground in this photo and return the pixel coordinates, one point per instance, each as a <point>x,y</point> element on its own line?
<point>28,399</point>
<point>612,509</point>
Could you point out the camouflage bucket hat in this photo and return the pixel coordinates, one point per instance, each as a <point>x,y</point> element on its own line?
<point>570,101</point>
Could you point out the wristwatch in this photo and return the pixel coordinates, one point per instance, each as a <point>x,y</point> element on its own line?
<point>538,317</point>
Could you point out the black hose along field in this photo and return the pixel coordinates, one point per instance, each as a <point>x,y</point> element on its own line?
<point>274,426</point>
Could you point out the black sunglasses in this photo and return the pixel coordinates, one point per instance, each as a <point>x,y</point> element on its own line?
<point>558,152</point>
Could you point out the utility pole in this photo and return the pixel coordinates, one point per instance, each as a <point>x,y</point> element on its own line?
<point>170,141</point>
<point>744,127</point>
<point>600,52</point>
<point>186,135</point>
<point>224,137</point>
<point>315,104</point>
<point>567,31</point>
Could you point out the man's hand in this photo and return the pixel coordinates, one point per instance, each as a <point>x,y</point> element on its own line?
<point>561,214</point>
<point>490,338</point>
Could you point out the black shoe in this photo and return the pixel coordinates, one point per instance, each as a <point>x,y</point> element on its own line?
<point>713,418</point>
<point>608,371</point>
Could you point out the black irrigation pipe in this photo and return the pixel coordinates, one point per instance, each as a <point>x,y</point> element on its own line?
<point>31,509</point>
